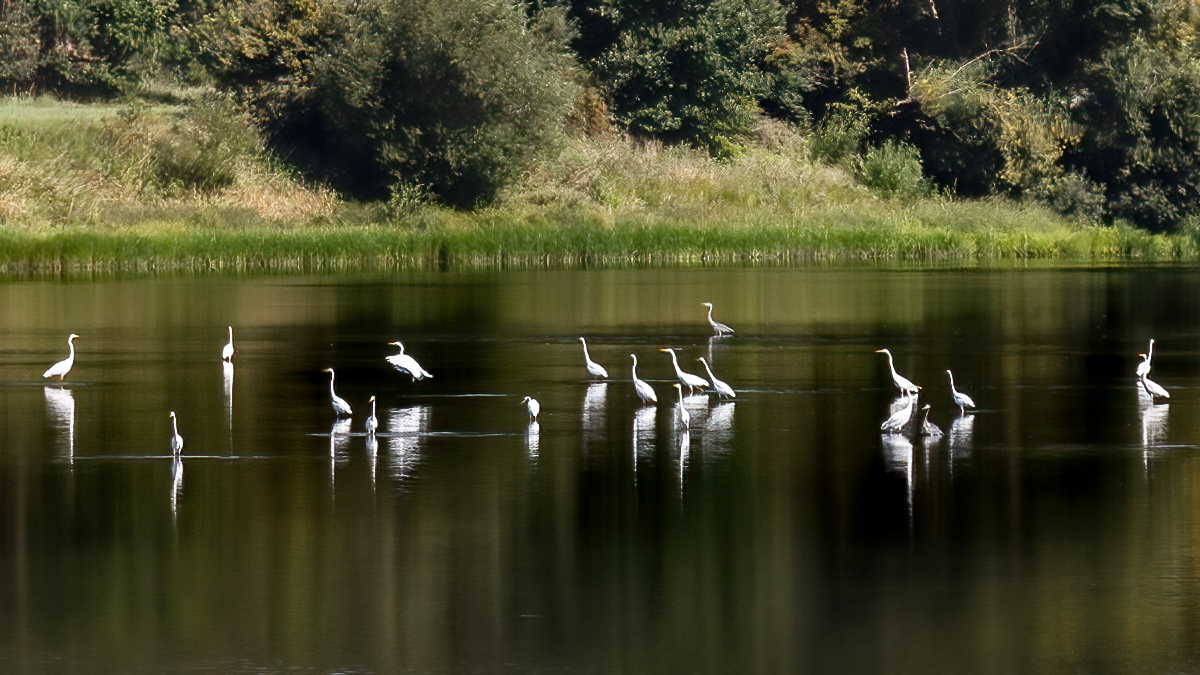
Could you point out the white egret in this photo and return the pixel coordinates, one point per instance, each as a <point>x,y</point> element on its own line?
<point>686,379</point>
<point>929,428</point>
<point>723,390</point>
<point>372,421</point>
<point>718,327</point>
<point>227,350</point>
<point>900,419</point>
<point>960,399</point>
<point>63,367</point>
<point>532,407</point>
<point>1143,368</point>
<point>340,407</point>
<point>903,384</point>
<point>644,390</point>
<point>176,439</point>
<point>406,364</point>
<point>594,368</point>
<point>685,420</point>
<point>1153,389</point>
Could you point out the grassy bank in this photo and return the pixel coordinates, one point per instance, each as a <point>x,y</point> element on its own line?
<point>128,189</point>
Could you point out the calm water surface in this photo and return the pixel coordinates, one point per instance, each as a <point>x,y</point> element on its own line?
<point>1056,529</point>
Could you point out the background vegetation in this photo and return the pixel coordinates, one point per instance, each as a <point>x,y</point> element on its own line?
<point>603,113</point>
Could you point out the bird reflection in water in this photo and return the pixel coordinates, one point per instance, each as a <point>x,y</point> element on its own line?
<point>533,434</point>
<point>594,417</point>
<point>684,441</point>
<point>717,440</point>
<point>406,428</point>
<point>643,434</point>
<point>60,408</point>
<point>898,456</point>
<point>339,440</point>
<point>1153,417</point>
<point>373,454</point>
<point>962,437</point>
<point>227,369</point>
<point>176,482</point>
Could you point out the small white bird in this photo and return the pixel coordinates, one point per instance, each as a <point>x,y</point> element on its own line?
<point>532,407</point>
<point>1143,368</point>
<point>723,390</point>
<point>594,368</point>
<point>406,364</point>
<point>929,428</point>
<point>903,384</point>
<point>372,421</point>
<point>642,388</point>
<point>718,327</point>
<point>227,350</point>
<point>900,419</point>
<point>63,367</point>
<point>176,439</point>
<point>1153,389</point>
<point>685,420</point>
<point>960,399</point>
<point>686,379</point>
<point>340,407</point>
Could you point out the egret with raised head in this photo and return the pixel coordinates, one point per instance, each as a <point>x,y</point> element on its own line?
<point>718,327</point>
<point>960,399</point>
<point>903,384</point>
<point>641,387</point>
<point>227,351</point>
<point>176,439</point>
<point>372,424</point>
<point>340,407</point>
<point>595,369</point>
<point>686,379</point>
<point>63,367</point>
<point>723,390</point>
<point>1143,368</point>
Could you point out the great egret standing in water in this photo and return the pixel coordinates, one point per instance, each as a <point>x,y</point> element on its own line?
<point>340,407</point>
<point>903,384</point>
<point>532,407</point>
<point>1153,389</point>
<point>644,390</point>
<point>406,364</point>
<point>686,379</point>
<point>960,399</point>
<point>685,420</point>
<point>227,350</point>
<point>63,367</point>
<point>1143,368</point>
<point>372,422</point>
<point>176,439</point>
<point>900,419</point>
<point>594,368</point>
<point>718,327</point>
<point>723,390</point>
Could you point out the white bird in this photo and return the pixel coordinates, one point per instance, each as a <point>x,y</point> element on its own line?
<point>903,384</point>
<point>929,428</point>
<point>718,327</point>
<point>723,390</point>
<point>686,379</point>
<point>340,407</point>
<point>176,439</point>
<point>594,368</point>
<point>960,399</point>
<point>372,421</point>
<point>407,364</point>
<point>1153,389</point>
<point>685,420</point>
<point>227,350</point>
<point>1143,368</point>
<point>63,367</point>
<point>644,390</point>
<point>900,419</point>
<point>532,407</point>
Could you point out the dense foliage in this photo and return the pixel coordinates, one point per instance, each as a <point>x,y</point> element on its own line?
<point>1089,107</point>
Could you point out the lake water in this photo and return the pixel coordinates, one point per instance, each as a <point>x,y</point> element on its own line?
<point>1055,529</point>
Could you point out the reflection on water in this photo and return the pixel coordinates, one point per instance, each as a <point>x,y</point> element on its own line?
<point>60,411</point>
<point>406,428</point>
<point>774,535</point>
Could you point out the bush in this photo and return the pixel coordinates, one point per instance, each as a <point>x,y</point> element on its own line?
<point>893,170</point>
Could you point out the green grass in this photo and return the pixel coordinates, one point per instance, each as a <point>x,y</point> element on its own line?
<point>99,188</point>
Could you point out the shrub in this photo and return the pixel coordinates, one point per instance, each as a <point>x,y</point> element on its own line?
<point>893,170</point>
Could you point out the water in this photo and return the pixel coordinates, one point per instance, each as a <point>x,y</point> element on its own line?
<point>1057,529</point>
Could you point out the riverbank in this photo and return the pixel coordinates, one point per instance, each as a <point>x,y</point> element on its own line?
<point>138,188</point>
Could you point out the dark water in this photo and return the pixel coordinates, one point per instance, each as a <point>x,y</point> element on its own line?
<point>1057,529</point>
